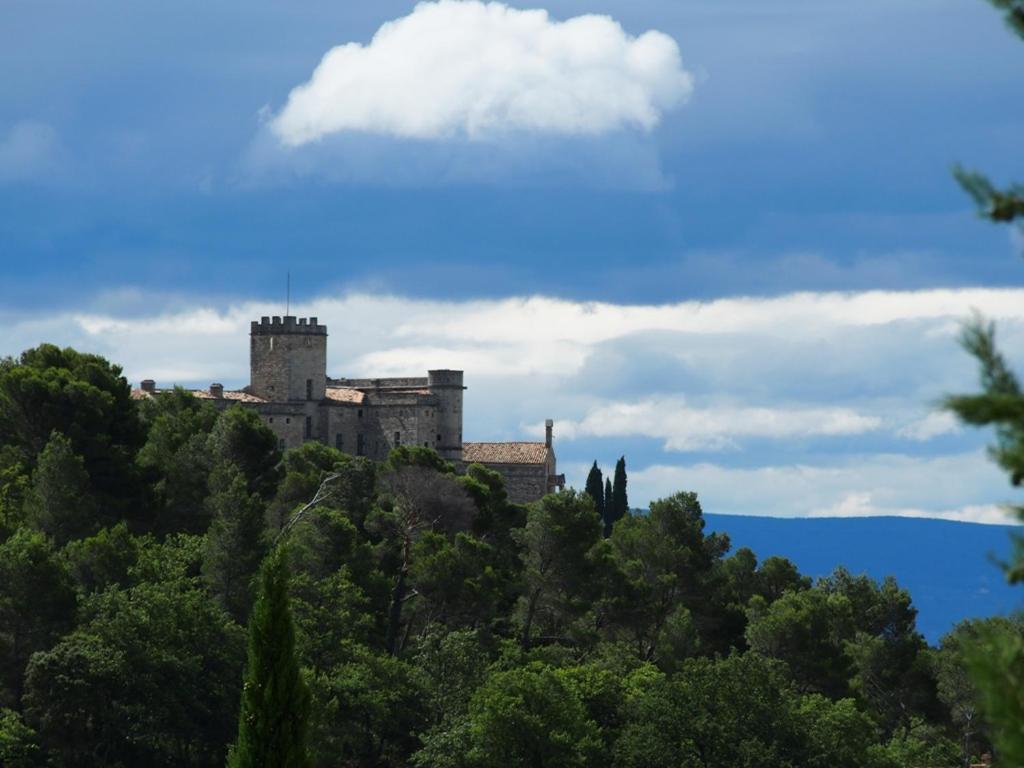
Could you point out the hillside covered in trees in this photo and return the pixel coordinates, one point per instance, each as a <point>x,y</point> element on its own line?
<point>433,622</point>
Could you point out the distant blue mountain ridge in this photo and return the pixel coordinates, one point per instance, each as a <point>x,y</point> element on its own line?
<point>946,566</point>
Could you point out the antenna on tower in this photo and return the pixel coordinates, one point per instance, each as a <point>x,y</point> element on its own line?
<point>288,296</point>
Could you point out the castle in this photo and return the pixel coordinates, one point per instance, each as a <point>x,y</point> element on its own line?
<point>290,389</point>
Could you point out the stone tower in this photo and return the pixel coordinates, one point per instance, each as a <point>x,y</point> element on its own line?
<point>288,359</point>
<point>447,387</point>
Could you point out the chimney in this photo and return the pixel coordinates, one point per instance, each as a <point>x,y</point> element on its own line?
<point>549,426</point>
<point>217,390</point>
<point>148,385</point>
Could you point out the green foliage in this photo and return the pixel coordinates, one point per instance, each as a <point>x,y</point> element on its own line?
<point>528,717</point>
<point>236,541</point>
<point>595,490</point>
<point>996,660</point>
<point>367,710</point>
<point>558,541</point>
<point>151,677</point>
<point>86,399</point>
<point>37,602</point>
<point>618,507</point>
<point>274,718</point>
<point>105,559</point>
<point>176,460</point>
<point>240,439</point>
<point>19,747</point>
<point>59,502</point>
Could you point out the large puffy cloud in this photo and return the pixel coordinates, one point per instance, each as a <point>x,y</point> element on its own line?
<point>826,400</point>
<point>467,68</point>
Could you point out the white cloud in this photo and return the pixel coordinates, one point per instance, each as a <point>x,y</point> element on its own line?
<point>684,428</point>
<point>956,487</point>
<point>467,68</point>
<point>773,378</point>
<point>934,424</point>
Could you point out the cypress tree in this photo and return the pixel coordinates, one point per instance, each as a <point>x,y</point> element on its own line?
<point>274,717</point>
<point>595,489</point>
<point>620,503</point>
<point>608,502</point>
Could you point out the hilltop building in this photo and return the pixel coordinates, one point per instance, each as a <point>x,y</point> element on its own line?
<point>290,389</point>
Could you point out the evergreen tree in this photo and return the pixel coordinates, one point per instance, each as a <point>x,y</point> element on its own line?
<point>60,503</point>
<point>595,489</point>
<point>236,541</point>
<point>997,661</point>
<point>273,722</point>
<point>620,502</point>
<point>608,496</point>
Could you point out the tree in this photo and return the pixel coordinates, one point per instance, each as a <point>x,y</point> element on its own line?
<point>176,460</point>
<point>524,717</point>
<point>274,718</point>
<point>236,541</point>
<point>560,534</point>
<point>150,677</point>
<point>59,502</point>
<point>620,502</point>
<point>608,497</point>
<point>86,399</point>
<point>105,559</point>
<point>241,439</point>
<point>19,747</point>
<point>37,604</point>
<point>595,490</point>
<point>423,499</point>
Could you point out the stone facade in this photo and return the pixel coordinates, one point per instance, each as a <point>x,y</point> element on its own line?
<point>290,389</point>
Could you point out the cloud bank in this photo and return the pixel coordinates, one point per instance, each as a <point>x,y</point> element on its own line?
<point>806,404</point>
<point>463,68</point>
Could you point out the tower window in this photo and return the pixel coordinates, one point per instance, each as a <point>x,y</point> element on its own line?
<point>360,445</point>
<point>359,413</point>
<point>398,439</point>
<point>439,438</point>
<point>309,427</point>
<point>309,389</point>
<point>282,444</point>
<point>339,441</point>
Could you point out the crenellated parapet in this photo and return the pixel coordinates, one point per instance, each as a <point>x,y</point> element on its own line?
<point>289,324</point>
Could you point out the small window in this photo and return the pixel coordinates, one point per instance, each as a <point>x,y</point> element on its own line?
<point>360,445</point>
<point>439,438</point>
<point>426,444</point>
<point>398,439</point>
<point>359,413</point>
<point>271,419</point>
<point>309,341</point>
<point>339,441</point>
<point>287,421</point>
<point>271,343</point>
<point>309,389</point>
<point>282,444</point>
<point>309,427</point>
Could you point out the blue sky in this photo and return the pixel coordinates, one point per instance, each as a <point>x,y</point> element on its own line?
<point>788,177</point>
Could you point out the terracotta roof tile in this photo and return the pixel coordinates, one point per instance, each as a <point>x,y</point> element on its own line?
<point>345,395</point>
<point>505,453</point>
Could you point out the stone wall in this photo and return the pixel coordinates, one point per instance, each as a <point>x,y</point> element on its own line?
<point>288,359</point>
<point>523,482</point>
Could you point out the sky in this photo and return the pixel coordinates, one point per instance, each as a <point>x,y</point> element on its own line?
<point>719,237</point>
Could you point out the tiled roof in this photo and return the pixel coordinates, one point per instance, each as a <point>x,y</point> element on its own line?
<point>237,396</point>
<point>345,395</point>
<point>504,453</point>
